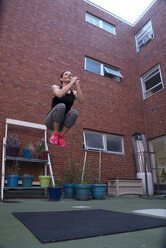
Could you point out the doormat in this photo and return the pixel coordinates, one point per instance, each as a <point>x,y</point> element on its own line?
<point>77,224</point>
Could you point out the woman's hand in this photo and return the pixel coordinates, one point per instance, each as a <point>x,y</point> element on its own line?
<point>75,80</point>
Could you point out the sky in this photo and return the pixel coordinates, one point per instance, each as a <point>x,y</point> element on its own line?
<point>129,10</point>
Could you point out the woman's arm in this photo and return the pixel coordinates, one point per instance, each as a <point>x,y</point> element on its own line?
<point>79,93</point>
<point>61,92</point>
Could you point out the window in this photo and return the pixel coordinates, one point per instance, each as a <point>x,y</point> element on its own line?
<point>158,159</point>
<point>100,23</point>
<point>144,36</point>
<point>101,69</point>
<point>105,142</point>
<point>152,82</point>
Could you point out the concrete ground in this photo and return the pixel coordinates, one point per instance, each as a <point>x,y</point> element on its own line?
<point>13,234</point>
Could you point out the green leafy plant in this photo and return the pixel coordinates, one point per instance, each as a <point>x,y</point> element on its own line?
<point>30,145</point>
<point>86,177</point>
<point>15,169</point>
<point>71,171</point>
<point>57,180</point>
<point>40,147</point>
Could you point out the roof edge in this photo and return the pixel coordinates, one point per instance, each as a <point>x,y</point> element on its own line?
<point>118,17</point>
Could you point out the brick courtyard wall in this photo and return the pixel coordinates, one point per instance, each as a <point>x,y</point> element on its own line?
<point>41,39</point>
<point>152,54</point>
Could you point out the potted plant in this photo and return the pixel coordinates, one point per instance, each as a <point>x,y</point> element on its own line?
<point>27,150</point>
<point>41,151</point>
<point>13,176</point>
<point>55,193</point>
<point>12,146</point>
<point>71,178</point>
<point>98,189</point>
<point>27,180</point>
<point>83,190</point>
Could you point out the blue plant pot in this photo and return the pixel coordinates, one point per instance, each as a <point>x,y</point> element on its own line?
<point>98,191</point>
<point>83,192</point>
<point>69,190</point>
<point>54,193</point>
<point>27,180</point>
<point>27,153</point>
<point>13,180</point>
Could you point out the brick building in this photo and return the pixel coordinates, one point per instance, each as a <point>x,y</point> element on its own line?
<point>122,71</point>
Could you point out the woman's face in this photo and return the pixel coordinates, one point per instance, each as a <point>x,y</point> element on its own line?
<point>66,78</point>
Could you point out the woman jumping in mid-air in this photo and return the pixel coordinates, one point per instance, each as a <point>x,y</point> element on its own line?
<point>61,117</point>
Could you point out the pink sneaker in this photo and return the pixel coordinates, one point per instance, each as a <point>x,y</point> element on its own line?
<point>54,139</point>
<point>61,141</point>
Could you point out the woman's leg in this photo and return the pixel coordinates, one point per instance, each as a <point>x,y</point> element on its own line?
<point>53,120</point>
<point>68,122</point>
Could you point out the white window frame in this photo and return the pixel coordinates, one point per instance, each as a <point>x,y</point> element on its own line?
<point>144,35</point>
<point>114,73</point>
<point>104,139</point>
<point>100,23</point>
<point>143,82</point>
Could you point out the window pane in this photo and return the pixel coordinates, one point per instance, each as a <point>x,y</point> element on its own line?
<point>114,144</point>
<point>152,81</point>
<point>92,19</point>
<point>92,66</point>
<point>108,27</point>
<point>150,74</point>
<point>145,30</point>
<point>112,71</point>
<point>156,89</point>
<point>93,140</point>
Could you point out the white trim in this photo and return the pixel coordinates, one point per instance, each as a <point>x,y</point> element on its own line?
<point>26,124</point>
<point>144,13</point>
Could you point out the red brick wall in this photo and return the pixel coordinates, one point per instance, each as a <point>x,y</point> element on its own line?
<point>39,40</point>
<point>152,54</point>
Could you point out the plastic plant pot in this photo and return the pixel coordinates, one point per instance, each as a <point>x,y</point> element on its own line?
<point>69,190</point>
<point>54,193</point>
<point>44,181</point>
<point>98,191</point>
<point>13,180</point>
<point>27,180</point>
<point>27,153</point>
<point>83,192</point>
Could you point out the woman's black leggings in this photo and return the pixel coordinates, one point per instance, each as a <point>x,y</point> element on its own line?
<point>57,114</point>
